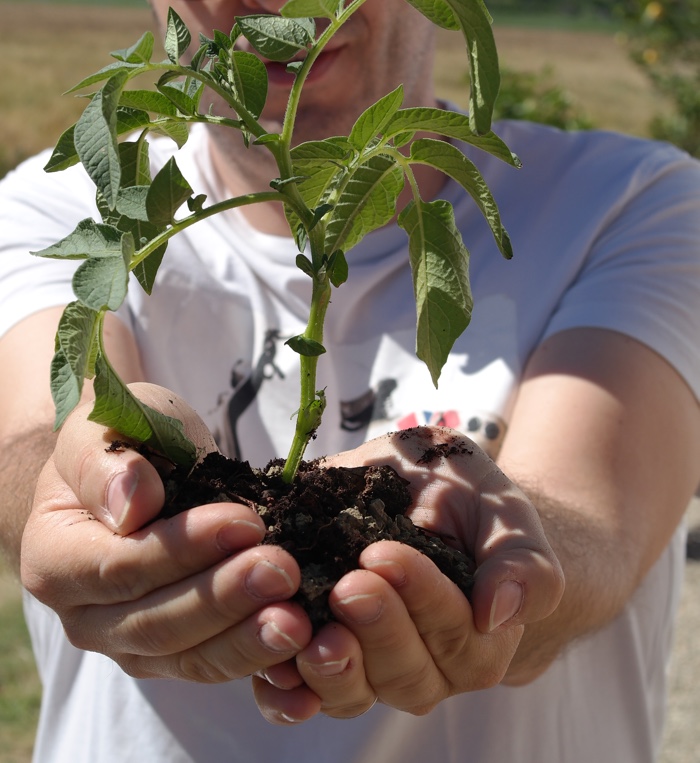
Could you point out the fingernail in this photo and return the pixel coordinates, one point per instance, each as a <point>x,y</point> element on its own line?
<point>233,536</point>
<point>120,492</point>
<point>506,603</point>
<point>271,637</point>
<point>392,572</point>
<point>330,668</point>
<point>267,581</point>
<point>363,608</point>
<point>288,718</point>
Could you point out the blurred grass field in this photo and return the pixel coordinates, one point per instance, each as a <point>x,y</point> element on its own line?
<point>47,47</point>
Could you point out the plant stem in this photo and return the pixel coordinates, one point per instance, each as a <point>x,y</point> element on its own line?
<point>312,402</point>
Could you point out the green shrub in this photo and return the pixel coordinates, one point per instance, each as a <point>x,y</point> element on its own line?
<point>664,40</point>
<point>535,97</point>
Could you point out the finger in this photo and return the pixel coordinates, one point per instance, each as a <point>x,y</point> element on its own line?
<point>120,487</point>
<point>188,613</point>
<point>443,618</point>
<point>283,675</point>
<point>115,569</point>
<point>285,707</point>
<point>273,635</point>
<point>332,667</point>
<point>397,663</point>
<point>518,578</point>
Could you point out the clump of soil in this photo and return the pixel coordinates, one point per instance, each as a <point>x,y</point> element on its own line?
<point>325,518</point>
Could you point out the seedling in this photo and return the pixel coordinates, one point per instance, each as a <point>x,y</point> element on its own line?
<point>334,192</point>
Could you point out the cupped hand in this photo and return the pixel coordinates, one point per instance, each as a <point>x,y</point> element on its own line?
<point>193,597</point>
<point>405,635</point>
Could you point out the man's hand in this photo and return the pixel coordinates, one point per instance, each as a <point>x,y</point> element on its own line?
<point>194,597</point>
<point>406,635</point>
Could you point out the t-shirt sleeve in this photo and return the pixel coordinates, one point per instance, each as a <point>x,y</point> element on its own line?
<point>38,209</point>
<point>642,275</point>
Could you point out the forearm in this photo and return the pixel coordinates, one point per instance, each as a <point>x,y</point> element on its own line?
<point>601,568</point>
<point>23,457</point>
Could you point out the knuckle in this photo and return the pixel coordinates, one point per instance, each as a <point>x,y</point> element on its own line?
<point>124,580</point>
<point>194,666</point>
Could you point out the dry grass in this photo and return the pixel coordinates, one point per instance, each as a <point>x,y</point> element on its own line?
<point>592,66</point>
<point>46,49</point>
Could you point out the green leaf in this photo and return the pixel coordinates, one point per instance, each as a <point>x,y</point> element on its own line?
<point>64,154</point>
<point>66,387</point>
<point>450,160</point>
<point>440,266</point>
<point>131,202</point>
<point>310,9</point>
<point>76,338</point>
<point>76,343</point>
<point>95,138</point>
<point>147,100</point>
<point>116,67</point>
<point>89,239</point>
<point>304,264</point>
<point>168,192</point>
<point>136,165</point>
<point>274,37</point>
<point>116,407</point>
<point>101,283</point>
<point>184,103</point>
<point>475,22</point>
<point>367,202</point>
<point>176,131</point>
<point>146,271</point>
<point>177,37</point>
<point>438,11</point>
<point>337,268</point>
<point>249,81</point>
<point>373,121</point>
<point>307,347</point>
<point>139,53</point>
<point>452,125</point>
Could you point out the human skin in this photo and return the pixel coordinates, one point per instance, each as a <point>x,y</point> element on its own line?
<point>608,503</point>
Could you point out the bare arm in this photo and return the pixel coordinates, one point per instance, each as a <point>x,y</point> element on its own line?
<point>605,440</point>
<point>27,413</point>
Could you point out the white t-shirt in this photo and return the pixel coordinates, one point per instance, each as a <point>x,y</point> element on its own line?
<point>606,232</point>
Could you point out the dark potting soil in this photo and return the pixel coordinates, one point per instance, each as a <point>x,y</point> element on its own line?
<point>325,518</point>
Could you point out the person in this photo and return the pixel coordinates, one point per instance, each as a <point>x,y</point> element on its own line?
<point>579,377</point>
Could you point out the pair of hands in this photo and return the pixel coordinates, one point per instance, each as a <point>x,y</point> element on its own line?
<point>197,598</point>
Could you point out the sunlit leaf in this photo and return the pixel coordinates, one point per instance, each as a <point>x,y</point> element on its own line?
<point>367,202</point>
<point>274,37</point>
<point>177,37</point>
<point>89,239</point>
<point>373,121</point>
<point>101,283</point>
<point>95,138</point>
<point>249,79</point>
<point>450,160</point>
<point>438,11</point>
<point>117,407</point>
<point>451,124</point>
<point>310,8</point>
<point>440,267</point>
<point>139,53</point>
<point>168,192</point>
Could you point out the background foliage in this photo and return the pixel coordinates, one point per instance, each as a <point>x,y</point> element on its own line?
<point>664,39</point>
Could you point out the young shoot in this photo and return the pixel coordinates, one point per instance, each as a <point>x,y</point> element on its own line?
<point>334,192</point>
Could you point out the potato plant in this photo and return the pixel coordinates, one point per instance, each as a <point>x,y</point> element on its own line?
<point>334,191</point>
